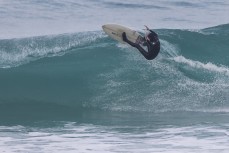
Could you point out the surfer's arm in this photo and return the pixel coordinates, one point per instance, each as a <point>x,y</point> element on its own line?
<point>148,29</point>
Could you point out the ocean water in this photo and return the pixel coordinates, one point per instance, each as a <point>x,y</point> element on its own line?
<point>65,86</point>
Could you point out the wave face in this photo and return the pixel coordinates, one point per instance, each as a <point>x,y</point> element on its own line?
<point>88,70</point>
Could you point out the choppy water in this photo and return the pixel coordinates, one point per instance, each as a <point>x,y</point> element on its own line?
<point>65,86</point>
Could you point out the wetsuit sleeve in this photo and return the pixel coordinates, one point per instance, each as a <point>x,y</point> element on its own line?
<point>151,31</point>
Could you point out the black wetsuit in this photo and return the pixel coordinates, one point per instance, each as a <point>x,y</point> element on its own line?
<point>153,45</point>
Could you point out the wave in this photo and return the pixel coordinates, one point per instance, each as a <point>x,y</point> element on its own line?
<point>89,70</point>
<point>198,65</point>
<point>15,52</point>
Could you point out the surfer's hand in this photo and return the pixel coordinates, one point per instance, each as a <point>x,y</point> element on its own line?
<point>146,27</point>
<point>124,36</point>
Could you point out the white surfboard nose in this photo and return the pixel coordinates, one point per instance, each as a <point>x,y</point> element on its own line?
<point>109,26</point>
<point>105,29</point>
<point>104,26</point>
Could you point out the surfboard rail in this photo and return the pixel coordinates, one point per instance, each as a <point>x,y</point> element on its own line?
<point>115,31</point>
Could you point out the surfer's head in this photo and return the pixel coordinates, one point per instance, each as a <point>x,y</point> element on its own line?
<point>152,37</point>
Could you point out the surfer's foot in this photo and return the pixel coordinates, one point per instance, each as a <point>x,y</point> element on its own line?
<point>124,36</point>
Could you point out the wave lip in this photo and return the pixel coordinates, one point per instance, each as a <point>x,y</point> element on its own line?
<point>15,52</point>
<point>208,66</point>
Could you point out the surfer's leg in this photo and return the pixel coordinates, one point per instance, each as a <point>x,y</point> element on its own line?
<point>152,51</point>
<point>129,42</point>
<point>143,52</point>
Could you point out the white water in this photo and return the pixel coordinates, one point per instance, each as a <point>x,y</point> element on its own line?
<point>208,66</point>
<point>91,138</point>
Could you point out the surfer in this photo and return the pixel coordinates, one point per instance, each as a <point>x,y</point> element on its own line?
<point>150,40</point>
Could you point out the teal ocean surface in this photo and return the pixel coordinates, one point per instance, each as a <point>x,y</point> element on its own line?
<point>81,91</point>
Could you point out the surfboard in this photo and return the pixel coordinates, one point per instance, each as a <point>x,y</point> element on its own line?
<point>115,31</point>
